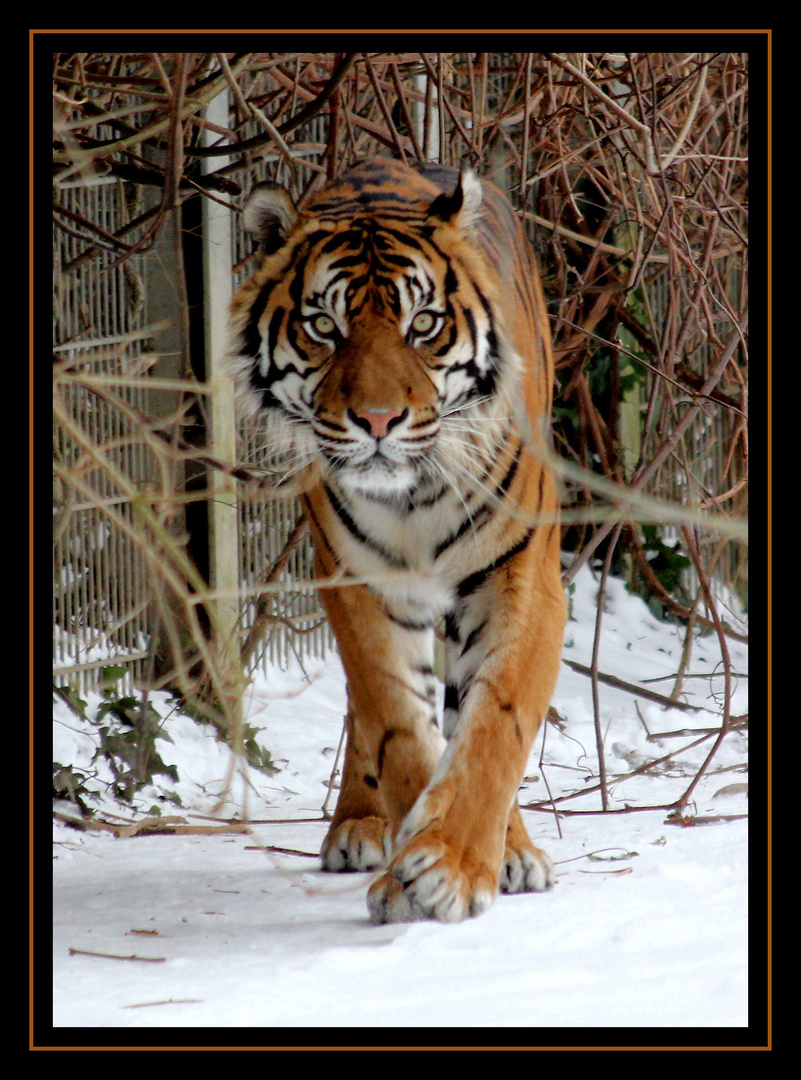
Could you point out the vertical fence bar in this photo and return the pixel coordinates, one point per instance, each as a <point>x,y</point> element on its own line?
<point>222,505</point>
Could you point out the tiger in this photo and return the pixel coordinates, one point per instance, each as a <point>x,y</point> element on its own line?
<point>394,344</point>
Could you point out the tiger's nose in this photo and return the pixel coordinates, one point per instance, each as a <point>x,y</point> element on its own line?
<point>378,421</point>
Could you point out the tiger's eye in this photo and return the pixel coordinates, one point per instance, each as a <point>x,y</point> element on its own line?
<point>423,322</point>
<point>323,324</point>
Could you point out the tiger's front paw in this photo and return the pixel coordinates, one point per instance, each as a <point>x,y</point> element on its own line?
<point>526,870</point>
<point>432,878</point>
<point>357,844</point>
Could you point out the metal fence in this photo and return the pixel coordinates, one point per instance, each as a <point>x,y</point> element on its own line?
<point>104,317</point>
<point>101,613</point>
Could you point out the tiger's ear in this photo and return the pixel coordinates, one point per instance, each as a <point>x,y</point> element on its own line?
<point>269,214</point>
<point>461,205</point>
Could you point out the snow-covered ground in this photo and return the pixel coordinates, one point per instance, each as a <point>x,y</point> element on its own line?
<point>646,928</point>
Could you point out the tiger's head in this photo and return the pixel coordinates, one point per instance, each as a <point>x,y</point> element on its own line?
<point>371,338</point>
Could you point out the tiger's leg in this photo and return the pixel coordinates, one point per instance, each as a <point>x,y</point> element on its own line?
<point>393,740</point>
<point>525,867</point>
<point>506,642</point>
<point>360,836</point>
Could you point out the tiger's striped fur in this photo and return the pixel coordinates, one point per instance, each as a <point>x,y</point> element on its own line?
<point>395,342</point>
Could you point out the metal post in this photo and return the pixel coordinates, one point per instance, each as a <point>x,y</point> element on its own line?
<point>223,513</point>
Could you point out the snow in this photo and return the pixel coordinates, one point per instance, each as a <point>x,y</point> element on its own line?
<point>647,927</point>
